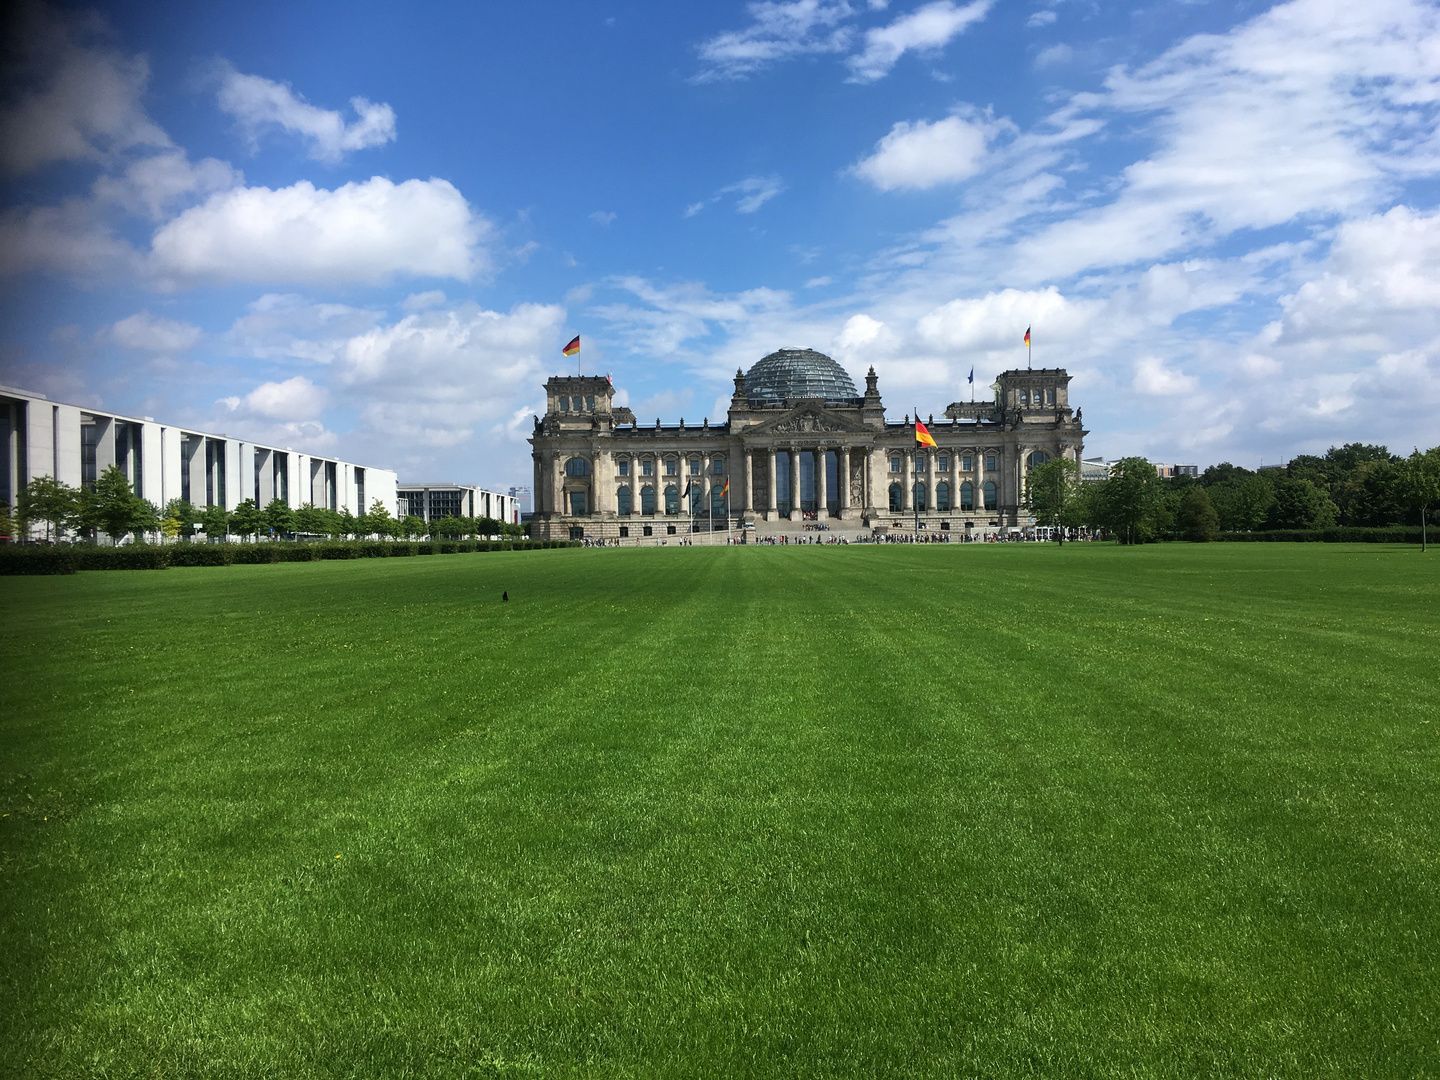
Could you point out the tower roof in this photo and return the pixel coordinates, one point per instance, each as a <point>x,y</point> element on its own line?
<point>791,374</point>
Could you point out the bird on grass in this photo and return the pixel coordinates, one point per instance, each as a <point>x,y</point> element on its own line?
<point>505,597</point>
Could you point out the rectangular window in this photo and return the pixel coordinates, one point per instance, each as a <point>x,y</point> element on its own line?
<point>647,468</point>
<point>694,466</point>
<point>360,490</point>
<point>718,468</point>
<point>991,463</point>
<point>564,403</point>
<point>966,463</point>
<point>894,464</point>
<point>670,466</point>
<point>89,437</point>
<point>282,477</point>
<point>624,467</point>
<point>577,503</point>
<point>942,464</point>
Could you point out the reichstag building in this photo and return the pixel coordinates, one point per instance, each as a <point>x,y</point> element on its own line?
<point>800,448</point>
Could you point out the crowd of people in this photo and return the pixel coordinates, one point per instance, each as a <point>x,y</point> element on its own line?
<point>812,535</point>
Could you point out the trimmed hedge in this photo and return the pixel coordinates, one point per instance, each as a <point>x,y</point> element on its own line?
<point>1398,534</point>
<point>66,559</point>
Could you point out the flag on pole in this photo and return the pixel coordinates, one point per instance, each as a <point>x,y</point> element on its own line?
<point>922,433</point>
<point>1027,339</point>
<point>725,491</point>
<point>574,347</point>
<point>972,376</point>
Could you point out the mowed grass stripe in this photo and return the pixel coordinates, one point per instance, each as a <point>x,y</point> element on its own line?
<point>988,811</point>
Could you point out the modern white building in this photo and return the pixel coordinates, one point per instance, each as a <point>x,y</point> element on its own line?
<point>75,444</point>
<point>435,501</point>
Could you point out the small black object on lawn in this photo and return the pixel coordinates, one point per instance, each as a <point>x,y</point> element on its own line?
<point>505,597</point>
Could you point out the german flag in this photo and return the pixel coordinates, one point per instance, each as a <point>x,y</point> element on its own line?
<point>1027,337</point>
<point>726,489</point>
<point>573,347</point>
<point>922,434</point>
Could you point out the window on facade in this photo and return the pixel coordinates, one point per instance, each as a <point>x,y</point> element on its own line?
<point>577,466</point>
<point>894,464</point>
<point>920,497</point>
<point>577,503</point>
<point>624,466</point>
<point>967,463</point>
<point>942,462</point>
<point>647,501</point>
<point>672,501</point>
<point>671,466</point>
<point>717,502</point>
<point>564,403</point>
<point>624,531</point>
<point>1024,397</point>
<point>694,466</point>
<point>1049,397</point>
<point>989,492</point>
<point>697,497</point>
<point>967,496</point>
<point>991,463</point>
<point>919,463</point>
<point>718,467</point>
<point>623,502</point>
<point>894,498</point>
<point>647,468</point>
<point>942,496</point>
<point>1037,457</point>
<point>589,402</point>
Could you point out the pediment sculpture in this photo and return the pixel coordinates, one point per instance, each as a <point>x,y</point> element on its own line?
<point>806,423</point>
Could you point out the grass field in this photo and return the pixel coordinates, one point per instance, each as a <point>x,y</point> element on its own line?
<point>989,811</point>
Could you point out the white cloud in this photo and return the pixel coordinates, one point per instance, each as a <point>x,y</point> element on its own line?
<point>365,233</point>
<point>1041,18</point>
<point>1153,377</point>
<point>780,30</point>
<point>260,104</point>
<point>754,192</point>
<point>295,399</point>
<point>70,239</point>
<point>819,282</point>
<point>921,155</point>
<point>88,109</point>
<point>1054,55</point>
<point>926,29</point>
<point>152,186</point>
<point>285,327</point>
<point>694,208</point>
<point>143,332</point>
<point>421,301</point>
<point>603,218</point>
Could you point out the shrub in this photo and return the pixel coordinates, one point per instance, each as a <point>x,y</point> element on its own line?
<point>255,553</point>
<point>338,550</point>
<point>200,554</point>
<point>27,559</point>
<point>374,549</point>
<point>397,550</point>
<point>130,557</point>
<point>295,552</point>
<point>1399,534</point>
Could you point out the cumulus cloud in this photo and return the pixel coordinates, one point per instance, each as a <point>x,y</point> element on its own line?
<point>143,332</point>
<point>923,154</point>
<point>1153,377</point>
<point>779,31</point>
<point>926,29</point>
<point>362,233</point>
<point>153,186</point>
<point>86,106</point>
<point>261,104</point>
<point>295,399</point>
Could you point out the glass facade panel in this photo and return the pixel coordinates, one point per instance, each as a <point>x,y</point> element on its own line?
<point>89,441</point>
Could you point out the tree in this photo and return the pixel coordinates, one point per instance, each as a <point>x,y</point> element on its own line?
<point>1370,494</point>
<point>1300,504</point>
<point>46,499</point>
<point>1197,519</point>
<point>1421,485</point>
<point>247,519</point>
<point>1126,500</point>
<point>280,517</point>
<point>216,522</point>
<point>1052,494</point>
<point>412,527</point>
<point>377,520</point>
<point>117,508</point>
<point>180,519</point>
<point>1242,501</point>
<point>347,526</point>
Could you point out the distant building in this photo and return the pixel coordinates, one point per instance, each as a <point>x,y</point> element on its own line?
<point>75,444</point>
<point>435,501</point>
<point>1093,470</point>
<point>522,496</point>
<point>1170,471</point>
<point>800,448</point>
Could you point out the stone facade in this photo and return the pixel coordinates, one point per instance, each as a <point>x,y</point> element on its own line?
<point>600,473</point>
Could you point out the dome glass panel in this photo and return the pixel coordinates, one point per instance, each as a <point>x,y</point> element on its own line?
<point>792,374</point>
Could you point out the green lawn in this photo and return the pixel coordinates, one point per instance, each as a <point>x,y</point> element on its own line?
<point>990,811</point>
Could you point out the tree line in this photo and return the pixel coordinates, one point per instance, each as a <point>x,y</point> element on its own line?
<point>112,507</point>
<point>1356,484</point>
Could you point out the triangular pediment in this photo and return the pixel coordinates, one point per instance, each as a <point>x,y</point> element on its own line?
<point>806,419</point>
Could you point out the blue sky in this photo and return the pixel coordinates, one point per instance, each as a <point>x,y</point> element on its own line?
<point>369,229</point>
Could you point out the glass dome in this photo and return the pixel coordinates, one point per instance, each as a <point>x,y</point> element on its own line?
<point>791,374</point>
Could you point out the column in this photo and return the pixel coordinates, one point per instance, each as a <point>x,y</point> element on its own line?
<point>602,484</point>
<point>822,495</point>
<point>907,481</point>
<point>842,471</point>
<point>705,487</point>
<point>749,504</point>
<point>794,484</point>
<point>930,478</point>
<point>771,497</point>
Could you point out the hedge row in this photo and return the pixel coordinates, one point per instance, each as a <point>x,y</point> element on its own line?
<point>1398,534</point>
<point>35,559</point>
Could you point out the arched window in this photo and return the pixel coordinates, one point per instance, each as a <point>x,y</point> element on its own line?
<point>647,499</point>
<point>623,502</point>
<point>577,466</point>
<point>697,500</point>
<point>672,501</point>
<point>717,501</point>
<point>894,498</point>
<point>1037,457</point>
<point>920,497</point>
<point>942,496</point>
<point>967,496</point>
<point>1024,397</point>
<point>989,492</point>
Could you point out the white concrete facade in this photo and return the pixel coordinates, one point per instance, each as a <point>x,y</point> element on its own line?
<point>434,501</point>
<point>74,444</point>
